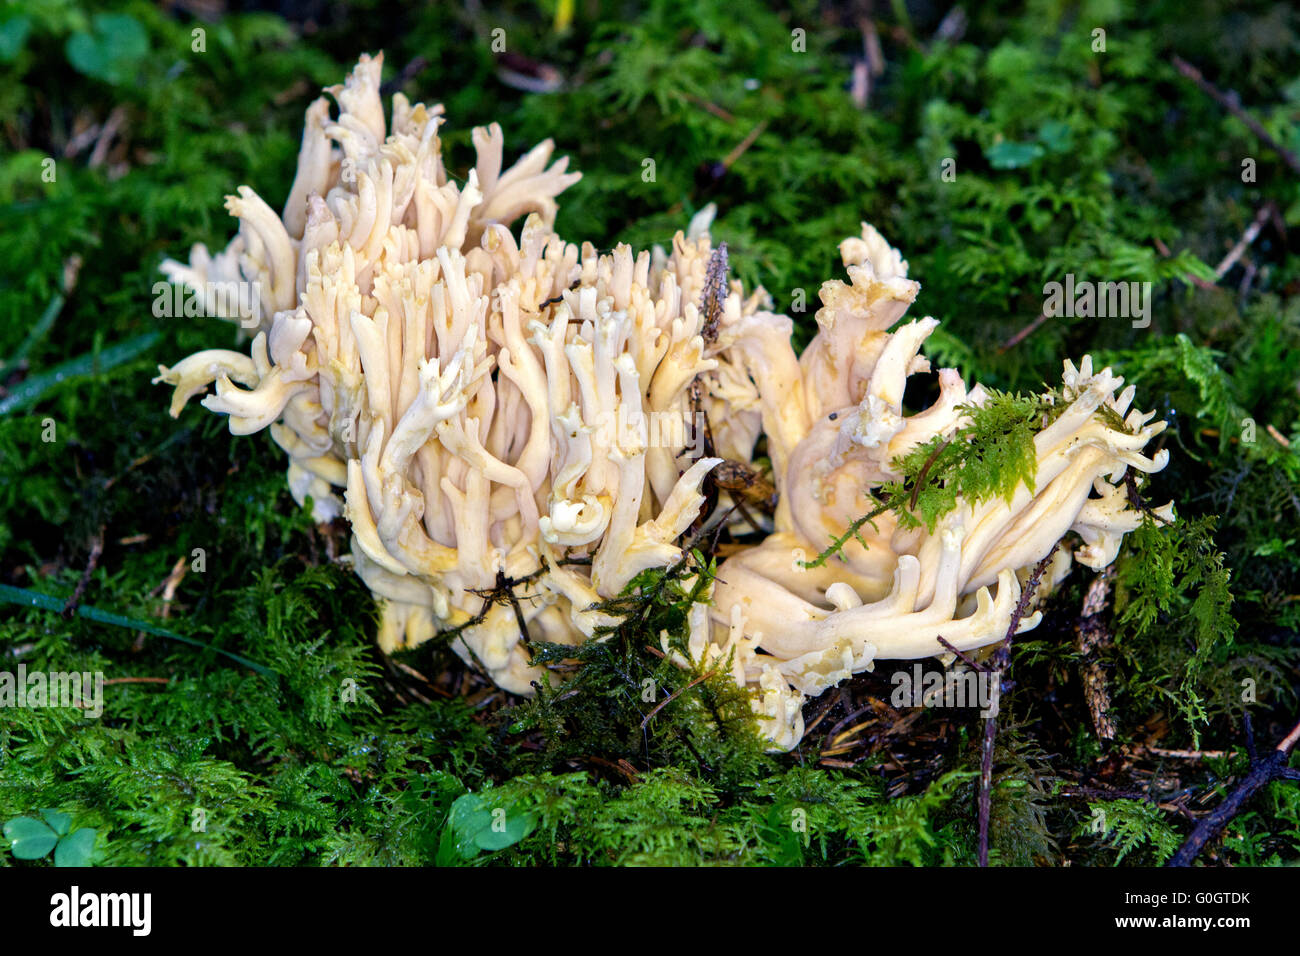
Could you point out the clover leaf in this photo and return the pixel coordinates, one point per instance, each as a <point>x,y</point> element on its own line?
<point>112,49</point>
<point>13,36</point>
<point>31,839</point>
<point>1057,136</point>
<point>1009,155</point>
<point>76,849</point>
<point>474,825</point>
<point>59,822</point>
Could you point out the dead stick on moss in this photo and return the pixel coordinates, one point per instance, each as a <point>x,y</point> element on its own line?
<point>172,582</point>
<point>116,120</point>
<point>1100,793</point>
<point>1186,754</point>
<point>137,680</point>
<point>963,656</point>
<point>1023,334</point>
<point>96,550</point>
<point>872,64</point>
<point>1249,236</point>
<point>675,694</point>
<point>925,470</point>
<point>1232,103</point>
<point>1262,772</point>
<point>1001,661</point>
<point>743,146</point>
<point>713,108</point>
<point>409,72</point>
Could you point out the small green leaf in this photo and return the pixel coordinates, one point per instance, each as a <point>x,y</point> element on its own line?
<point>111,51</point>
<point>13,36</point>
<point>59,822</point>
<point>516,827</point>
<point>29,839</point>
<point>1056,136</point>
<point>475,825</point>
<point>466,819</point>
<point>1008,155</point>
<point>77,849</point>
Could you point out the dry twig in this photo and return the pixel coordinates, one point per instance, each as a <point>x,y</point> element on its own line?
<point>1262,772</point>
<point>96,551</point>
<point>1231,102</point>
<point>1001,661</point>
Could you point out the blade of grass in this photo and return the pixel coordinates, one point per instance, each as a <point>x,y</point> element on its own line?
<point>34,389</point>
<point>29,598</point>
<point>38,332</point>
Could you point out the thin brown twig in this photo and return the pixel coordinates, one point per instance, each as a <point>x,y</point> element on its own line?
<point>137,680</point>
<point>925,470</point>
<point>1249,236</point>
<point>114,123</point>
<point>730,159</point>
<point>842,738</point>
<point>1001,661</point>
<point>1023,334</point>
<point>843,722</point>
<point>675,694</point>
<point>952,27</point>
<point>136,463</point>
<point>826,707</point>
<point>173,581</point>
<point>714,297</point>
<point>1262,772</point>
<point>622,767</point>
<point>1104,793</point>
<point>713,108</point>
<point>96,550</point>
<point>409,72</point>
<point>1231,102</point>
<point>1247,280</point>
<point>871,64</point>
<point>964,657</point>
<point>1165,251</point>
<point>1187,754</point>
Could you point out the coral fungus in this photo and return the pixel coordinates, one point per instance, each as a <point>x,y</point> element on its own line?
<point>484,406</point>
